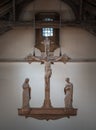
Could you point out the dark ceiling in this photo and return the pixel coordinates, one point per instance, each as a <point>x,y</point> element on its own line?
<point>85,12</point>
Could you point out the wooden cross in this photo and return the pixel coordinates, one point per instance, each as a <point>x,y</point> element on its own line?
<point>47,60</point>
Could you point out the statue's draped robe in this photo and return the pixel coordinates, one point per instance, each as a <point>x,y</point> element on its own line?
<point>69,95</point>
<point>26,95</point>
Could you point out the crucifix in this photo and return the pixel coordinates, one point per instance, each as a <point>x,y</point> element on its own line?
<point>47,60</point>
<point>47,111</point>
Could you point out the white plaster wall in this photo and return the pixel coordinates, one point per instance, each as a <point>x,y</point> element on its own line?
<point>75,42</point>
<point>17,42</point>
<point>78,43</point>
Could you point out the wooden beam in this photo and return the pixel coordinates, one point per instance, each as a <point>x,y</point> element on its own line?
<point>81,10</point>
<point>85,60</point>
<point>20,60</point>
<point>14,10</point>
<point>47,113</point>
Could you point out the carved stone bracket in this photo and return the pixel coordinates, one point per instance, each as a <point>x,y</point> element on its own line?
<point>48,113</point>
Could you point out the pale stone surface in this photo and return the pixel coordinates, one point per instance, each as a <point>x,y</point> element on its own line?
<point>26,93</point>
<point>69,94</point>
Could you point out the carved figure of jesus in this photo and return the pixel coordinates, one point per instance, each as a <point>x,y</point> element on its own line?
<point>48,72</point>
